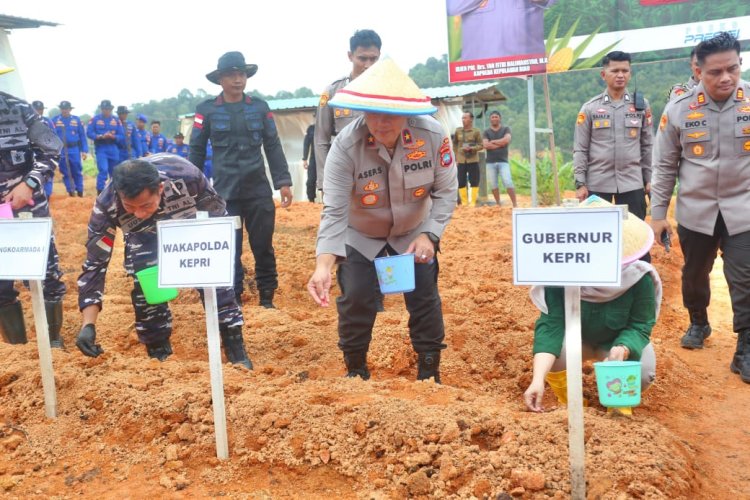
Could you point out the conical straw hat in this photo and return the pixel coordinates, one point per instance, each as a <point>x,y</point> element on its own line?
<point>384,88</point>
<point>637,235</point>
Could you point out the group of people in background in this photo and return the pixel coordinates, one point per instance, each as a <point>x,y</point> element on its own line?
<point>115,138</point>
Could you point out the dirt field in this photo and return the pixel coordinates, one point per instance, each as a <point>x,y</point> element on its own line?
<point>130,427</point>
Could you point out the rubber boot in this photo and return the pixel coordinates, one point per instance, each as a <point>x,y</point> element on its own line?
<point>474,195</point>
<point>54,312</point>
<point>429,366</point>
<point>741,361</point>
<point>266,298</point>
<point>12,325</point>
<point>558,382</point>
<point>464,194</point>
<point>356,365</point>
<point>698,331</point>
<point>159,350</point>
<point>234,346</point>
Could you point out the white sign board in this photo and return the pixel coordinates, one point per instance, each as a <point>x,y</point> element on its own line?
<point>196,253</point>
<point>567,246</point>
<point>24,246</point>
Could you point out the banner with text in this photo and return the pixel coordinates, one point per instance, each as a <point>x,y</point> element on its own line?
<point>196,253</point>
<point>491,39</point>
<point>567,246</point>
<point>24,246</point>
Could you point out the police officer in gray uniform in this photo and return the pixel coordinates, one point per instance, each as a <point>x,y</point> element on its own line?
<point>143,192</point>
<point>364,51</point>
<point>681,88</point>
<point>390,188</point>
<point>704,142</point>
<point>612,144</point>
<point>28,149</point>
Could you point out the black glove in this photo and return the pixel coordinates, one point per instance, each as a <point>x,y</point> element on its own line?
<point>86,341</point>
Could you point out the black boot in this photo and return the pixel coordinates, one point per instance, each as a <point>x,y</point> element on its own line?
<point>266,298</point>
<point>12,325</point>
<point>80,194</point>
<point>429,366</point>
<point>698,331</point>
<point>159,350</point>
<point>54,312</point>
<point>741,361</point>
<point>71,193</point>
<point>234,346</point>
<point>356,365</point>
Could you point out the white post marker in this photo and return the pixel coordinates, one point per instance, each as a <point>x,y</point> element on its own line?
<point>24,245</point>
<point>570,247</point>
<point>199,253</point>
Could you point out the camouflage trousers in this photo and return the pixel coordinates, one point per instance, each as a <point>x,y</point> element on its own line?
<point>153,323</point>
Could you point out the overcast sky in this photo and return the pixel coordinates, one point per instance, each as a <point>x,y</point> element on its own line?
<point>132,51</point>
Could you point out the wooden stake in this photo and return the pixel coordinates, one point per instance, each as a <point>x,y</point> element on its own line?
<point>42,342</point>
<point>215,367</point>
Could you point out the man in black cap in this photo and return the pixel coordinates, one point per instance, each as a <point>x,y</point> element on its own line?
<point>106,132</point>
<point>39,108</point>
<point>70,130</point>
<point>237,126</point>
<point>131,147</point>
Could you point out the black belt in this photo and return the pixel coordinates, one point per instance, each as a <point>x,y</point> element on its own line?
<point>104,141</point>
<point>71,145</point>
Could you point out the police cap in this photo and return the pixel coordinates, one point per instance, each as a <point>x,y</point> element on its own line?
<point>122,110</point>
<point>142,118</point>
<point>37,105</point>
<point>65,105</point>
<point>106,104</point>
<point>179,135</point>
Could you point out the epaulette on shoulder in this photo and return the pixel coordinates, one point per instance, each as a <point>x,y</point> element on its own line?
<point>426,123</point>
<point>689,92</point>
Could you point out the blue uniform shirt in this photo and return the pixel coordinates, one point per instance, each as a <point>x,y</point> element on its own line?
<point>183,150</point>
<point>135,144</point>
<point>158,143</point>
<point>71,132</point>
<point>99,125</point>
<point>144,140</point>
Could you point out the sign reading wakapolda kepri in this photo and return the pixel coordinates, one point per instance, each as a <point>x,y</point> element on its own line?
<point>24,246</point>
<point>567,246</point>
<point>196,253</point>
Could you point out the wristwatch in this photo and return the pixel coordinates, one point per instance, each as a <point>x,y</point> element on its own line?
<point>32,183</point>
<point>580,184</point>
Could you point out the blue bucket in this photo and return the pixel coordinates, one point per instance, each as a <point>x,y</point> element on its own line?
<point>618,383</point>
<point>395,273</point>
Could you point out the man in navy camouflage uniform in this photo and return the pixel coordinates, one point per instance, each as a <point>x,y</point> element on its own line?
<point>142,192</point>
<point>28,149</point>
